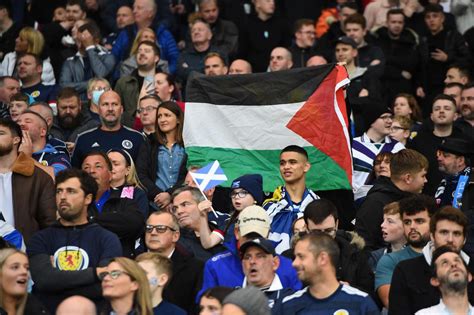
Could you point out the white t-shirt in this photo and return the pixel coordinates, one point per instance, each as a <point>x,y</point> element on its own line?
<point>6,198</point>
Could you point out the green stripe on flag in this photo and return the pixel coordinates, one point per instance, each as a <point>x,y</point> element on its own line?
<point>324,174</point>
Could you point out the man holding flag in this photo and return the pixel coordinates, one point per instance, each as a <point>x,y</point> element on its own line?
<point>289,201</point>
<point>255,116</point>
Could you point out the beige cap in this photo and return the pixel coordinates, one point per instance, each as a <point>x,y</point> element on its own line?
<point>254,219</point>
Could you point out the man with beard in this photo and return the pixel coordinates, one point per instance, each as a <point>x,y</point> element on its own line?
<point>111,134</point>
<point>71,119</point>
<point>415,212</point>
<point>411,289</point>
<point>35,131</point>
<point>450,276</point>
<point>466,122</point>
<point>31,211</point>
<point>65,258</point>
<point>140,82</point>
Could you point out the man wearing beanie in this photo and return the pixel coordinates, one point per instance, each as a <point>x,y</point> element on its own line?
<point>366,147</point>
<point>246,301</point>
<point>225,269</point>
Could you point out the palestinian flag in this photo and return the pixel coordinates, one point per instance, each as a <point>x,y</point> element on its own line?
<point>244,121</point>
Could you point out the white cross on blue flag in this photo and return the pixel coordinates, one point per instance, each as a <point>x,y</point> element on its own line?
<point>209,176</point>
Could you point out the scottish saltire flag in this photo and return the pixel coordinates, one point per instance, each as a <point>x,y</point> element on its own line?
<point>209,176</point>
<point>245,120</point>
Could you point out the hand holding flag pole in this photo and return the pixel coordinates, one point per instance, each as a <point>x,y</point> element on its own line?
<point>209,177</point>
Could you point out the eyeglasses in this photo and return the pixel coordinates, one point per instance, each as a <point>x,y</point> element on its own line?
<point>114,274</point>
<point>159,228</point>
<point>99,88</point>
<point>240,194</point>
<point>396,128</point>
<point>328,231</point>
<point>146,109</point>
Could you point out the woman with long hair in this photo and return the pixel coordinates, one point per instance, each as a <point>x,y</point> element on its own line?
<point>125,179</point>
<point>405,104</point>
<point>14,277</point>
<point>125,287</point>
<point>161,162</point>
<point>165,87</point>
<point>29,41</point>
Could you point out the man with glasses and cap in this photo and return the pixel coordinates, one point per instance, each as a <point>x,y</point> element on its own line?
<point>161,236</point>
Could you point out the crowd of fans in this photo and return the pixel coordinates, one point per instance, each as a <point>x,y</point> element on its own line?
<point>100,214</point>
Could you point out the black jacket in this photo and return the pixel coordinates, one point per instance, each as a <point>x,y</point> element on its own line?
<point>370,215</point>
<point>454,46</point>
<point>400,55</point>
<point>186,282</point>
<point>353,262</point>
<point>122,217</point>
<point>301,55</point>
<point>411,290</point>
<point>257,39</point>
<point>147,166</point>
<point>33,307</point>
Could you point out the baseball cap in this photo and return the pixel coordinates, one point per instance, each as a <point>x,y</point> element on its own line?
<point>260,242</point>
<point>346,40</point>
<point>254,219</point>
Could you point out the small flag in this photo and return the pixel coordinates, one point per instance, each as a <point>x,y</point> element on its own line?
<point>209,176</point>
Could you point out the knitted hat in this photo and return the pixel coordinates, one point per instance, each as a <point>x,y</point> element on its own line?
<point>251,183</point>
<point>250,299</point>
<point>372,113</point>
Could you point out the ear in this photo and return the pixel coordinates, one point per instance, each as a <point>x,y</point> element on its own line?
<point>236,232</point>
<point>275,263</point>
<point>128,170</point>
<point>434,282</point>
<point>307,166</point>
<point>43,132</point>
<point>469,277</point>
<point>431,116</point>
<point>88,199</point>
<point>337,225</point>
<point>16,140</point>
<point>355,52</point>
<point>163,280</point>
<point>157,58</point>
<point>226,70</point>
<point>134,286</point>
<point>432,237</point>
<point>176,236</point>
<point>456,115</point>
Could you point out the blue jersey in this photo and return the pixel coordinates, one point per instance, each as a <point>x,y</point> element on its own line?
<point>49,156</point>
<point>42,93</point>
<point>345,300</point>
<point>100,140</point>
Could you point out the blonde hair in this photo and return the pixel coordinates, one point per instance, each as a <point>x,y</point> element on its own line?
<point>404,121</point>
<point>4,255</point>
<point>161,263</point>
<point>34,38</point>
<point>138,40</point>
<point>142,297</point>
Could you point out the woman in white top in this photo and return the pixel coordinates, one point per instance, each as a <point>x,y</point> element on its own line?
<point>28,41</point>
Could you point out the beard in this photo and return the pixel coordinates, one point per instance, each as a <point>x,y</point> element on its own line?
<point>457,285</point>
<point>68,121</point>
<point>420,242</point>
<point>6,149</point>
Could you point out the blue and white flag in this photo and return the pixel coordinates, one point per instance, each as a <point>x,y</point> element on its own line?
<point>209,176</point>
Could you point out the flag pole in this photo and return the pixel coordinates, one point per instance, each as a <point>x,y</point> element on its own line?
<point>204,195</point>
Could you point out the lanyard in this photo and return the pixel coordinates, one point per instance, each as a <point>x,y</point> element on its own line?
<point>460,190</point>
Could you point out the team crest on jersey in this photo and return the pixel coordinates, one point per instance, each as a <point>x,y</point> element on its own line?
<point>45,163</point>
<point>71,258</point>
<point>127,144</point>
<point>35,94</point>
<point>341,312</point>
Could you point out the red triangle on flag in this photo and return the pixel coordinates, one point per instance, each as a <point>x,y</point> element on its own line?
<point>323,121</point>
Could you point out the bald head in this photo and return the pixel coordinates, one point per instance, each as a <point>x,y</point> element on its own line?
<point>76,305</point>
<point>240,66</point>
<point>280,59</point>
<point>316,61</point>
<point>44,111</point>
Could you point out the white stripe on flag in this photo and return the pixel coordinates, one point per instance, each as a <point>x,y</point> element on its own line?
<point>259,127</point>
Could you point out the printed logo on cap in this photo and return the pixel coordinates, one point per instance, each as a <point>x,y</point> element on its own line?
<point>127,144</point>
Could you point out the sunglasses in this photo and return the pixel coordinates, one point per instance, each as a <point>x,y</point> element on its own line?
<point>114,274</point>
<point>159,228</point>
